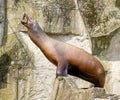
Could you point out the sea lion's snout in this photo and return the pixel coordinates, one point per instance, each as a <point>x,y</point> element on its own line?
<point>26,19</point>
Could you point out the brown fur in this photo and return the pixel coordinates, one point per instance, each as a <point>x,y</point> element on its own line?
<point>68,59</point>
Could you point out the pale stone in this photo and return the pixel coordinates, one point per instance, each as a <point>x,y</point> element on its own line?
<point>16,72</point>
<point>55,17</point>
<point>62,17</point>
<point>45,71</point>
<point>103,23</point>
<point>65,89</point>
<point>2,21</point>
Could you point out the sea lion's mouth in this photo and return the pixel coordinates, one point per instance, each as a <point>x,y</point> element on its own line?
<point>25,19</point>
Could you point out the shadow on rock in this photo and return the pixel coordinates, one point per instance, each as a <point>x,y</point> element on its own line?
<point>4,65</point>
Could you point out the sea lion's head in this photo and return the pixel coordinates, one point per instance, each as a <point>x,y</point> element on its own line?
<point>28,21</point>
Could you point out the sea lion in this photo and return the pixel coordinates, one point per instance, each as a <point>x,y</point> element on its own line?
<point>68,58</point>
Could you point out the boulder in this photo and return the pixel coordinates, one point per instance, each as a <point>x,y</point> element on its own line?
<point>66,89</point>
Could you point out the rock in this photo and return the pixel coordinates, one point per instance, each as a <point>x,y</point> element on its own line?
<point>66,89</point>
<point>63,89</point>
<point>45,71</point>
<point>107,49</point>
<point>16,70</point>
<point>62,20</point>
<point>102,19</point>
<point>55,17</point>
<point>2,22</point>
<point>59,17</point>
<point>91,11</point>
<point>100,16</point>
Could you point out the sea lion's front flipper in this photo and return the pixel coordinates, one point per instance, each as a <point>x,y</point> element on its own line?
<point>62,69</point>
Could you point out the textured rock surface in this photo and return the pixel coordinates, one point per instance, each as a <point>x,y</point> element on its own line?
<point>16,70</point>
<point>66,89</point>
<point>102,18</point>
<point>44,72</point>
<point>62,20</point>
<point>55,17</point>
<point>59,16</point>
<point>2,21</point>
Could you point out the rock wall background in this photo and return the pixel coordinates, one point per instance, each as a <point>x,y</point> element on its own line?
<point>89,24</point>
<point>103,23</point>
<point>2,22</point>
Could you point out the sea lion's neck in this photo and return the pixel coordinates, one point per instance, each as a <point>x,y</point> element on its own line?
<point>38,36</point>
